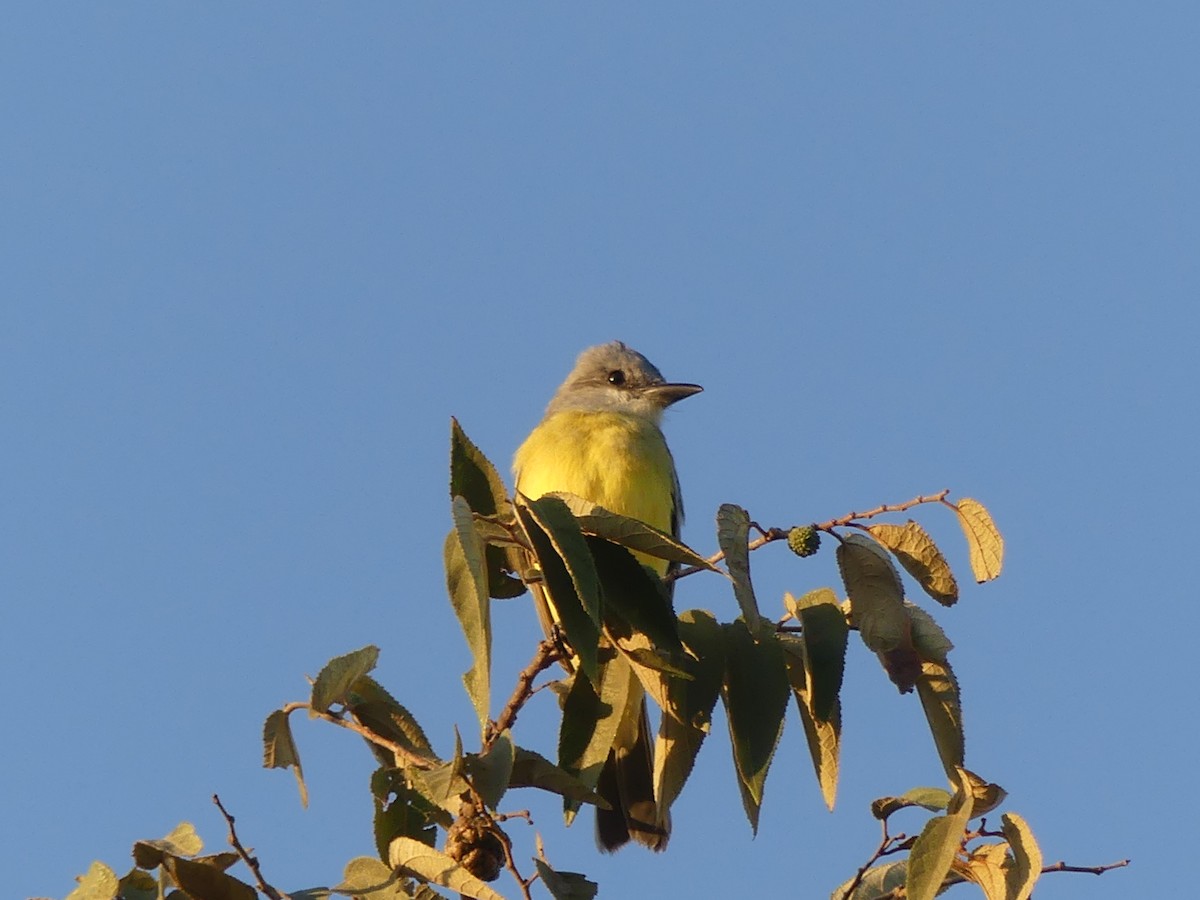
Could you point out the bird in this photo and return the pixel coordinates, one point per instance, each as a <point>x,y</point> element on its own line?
<point>601,438</point>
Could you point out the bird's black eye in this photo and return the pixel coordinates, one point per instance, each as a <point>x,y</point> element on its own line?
<point>616,376</point>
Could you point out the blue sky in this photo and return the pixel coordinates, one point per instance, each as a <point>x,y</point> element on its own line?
<point>257,256</point>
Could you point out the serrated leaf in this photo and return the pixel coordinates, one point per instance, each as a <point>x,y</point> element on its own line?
<point>688,706</point>
<point>401,811</point>
<point>934,850</point>
<point>1027,857</point>
<point>593,716</point>
<point>985,796</point>
<point>921,558</point>
<point>98,883</point>
<point>878,881</point>
<point>633,597</point>
<point>755,694</point>
<point>490,773</point>
<point>443,785</point>
<point>632,534</point>
<point>985,867</point>
<point>433,865</point>
<point>823,735</point>
<point>825,634</point>
<point>928,638</point>
<point>938,690</point>
<point>930,798</point>
<point>733,537</point>
<point>876,595</point>
<point>984,542</point>
<point>533,770</point>
<point>206,882</point>
<point>279,749</point>
<point>379,711</point>
<point>578,614</point>
<point>565,885</point>
<point>475,479</point>
<point>366,878</point>
<point>338,675</point>
<point>466,582</point>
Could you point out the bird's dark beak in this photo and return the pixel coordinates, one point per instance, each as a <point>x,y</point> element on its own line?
<point>666,394</point>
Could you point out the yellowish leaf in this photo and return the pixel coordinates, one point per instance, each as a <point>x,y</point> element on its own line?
<point>1027,857</point>
<point>983,539</point>
<point>436,867</point>
<point>921,558</point>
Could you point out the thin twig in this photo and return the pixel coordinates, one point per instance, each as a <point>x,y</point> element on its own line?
<point>769,535</point>
<point>547,653</point>
<point>404,756</point>
<point>886,845</point>
<point>249,860</point>
<point>1061,866</point>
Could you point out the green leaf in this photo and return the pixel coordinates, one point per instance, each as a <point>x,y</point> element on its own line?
<point>475,479</point>
<point>921,558</point>
<point>755,696</point>
<point>572,586</point>
<point>338,675</point>
<point>490,773</point>
<point>825,635</point>
<point>203,882</point>
<point>366,878</point>
<point>466,583</point>
<point>1027,857</point>
<point>984,542</point>
<point>876,595</point>
<point>823,736</point>
<point>565,885</point>
<point>98,883</point>
<point>930,798</point>
<point>733,536</point>
<point>879,881</point>
<point>442,785</point>
<point>378,710</point>
<point>592,718</point>
<point>401,811</point>
<point>182,841</point>
<point>634,597</point>
<point>632,534</point>
<point>434,866</point>
<point>533,770</point>
<point>279,749</point>
<point>137,884</point>
<point>687,712</point>
<point>933,852</point>
<point>938,690</point>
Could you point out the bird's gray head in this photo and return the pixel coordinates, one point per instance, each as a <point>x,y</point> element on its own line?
<point>614,378</point>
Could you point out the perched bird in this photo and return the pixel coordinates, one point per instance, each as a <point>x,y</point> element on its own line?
<point>601,439</point>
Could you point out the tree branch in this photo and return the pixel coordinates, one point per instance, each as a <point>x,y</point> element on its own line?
<point>547,654</point>
<point>250,861</point>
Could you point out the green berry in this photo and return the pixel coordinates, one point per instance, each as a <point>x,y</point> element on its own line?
<point>804,540</point>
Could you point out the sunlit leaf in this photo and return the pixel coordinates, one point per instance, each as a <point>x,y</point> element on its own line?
<point>938,690</point>
<point>379,711</point>
<point>878,881</point>
<point>984,542</point>
<point>366,878</point>
<point>755,696</point>
<point>442,785</point>
<point>876,595</point>
<point>98,883</point>
<point>401,811</point>
<point>935,848</point>
<point>823,735</point>
<point>1027,857</point>
<point>824,634</point>
<point>433,865</point>
<point>930,798</point>
<point>921,558</point>
<point>206,882</point>
<point>733,535</point>
<point>466,583</point>
<point>985,796</point>
<point>985,867</point>
<point>279,749</point>
<point>336,677</point>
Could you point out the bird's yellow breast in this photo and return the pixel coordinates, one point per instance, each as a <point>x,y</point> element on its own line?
<point>618,461</point>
